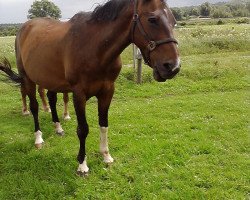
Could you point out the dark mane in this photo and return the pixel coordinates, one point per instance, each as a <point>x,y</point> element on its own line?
<point>81,16</point>
<point>109,11</point>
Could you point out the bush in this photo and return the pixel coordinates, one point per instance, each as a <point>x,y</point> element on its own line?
<point>220,22</point>
<point>243,21</point>
<point>182,23</point>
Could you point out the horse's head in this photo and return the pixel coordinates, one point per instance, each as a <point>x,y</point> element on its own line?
<point>152,32</point>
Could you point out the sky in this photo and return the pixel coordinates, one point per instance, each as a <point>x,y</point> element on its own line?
<point>16,11</point>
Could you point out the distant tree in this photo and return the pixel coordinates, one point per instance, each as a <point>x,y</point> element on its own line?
<point>205,9</point>
<point>194,12</point>
<point>44,8</point>
<point>177,12</point>
<point>240,8</point>
<point>186,12</point>
<point>248,7</point>
<point>221,12</point>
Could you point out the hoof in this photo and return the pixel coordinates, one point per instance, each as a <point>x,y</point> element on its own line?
<point>60,133</point>
<point>39,146</point>
<point>107,158</point>
<point>82,174</point>
<point>59,130</point>
<point>66,117</point>
<point>38,139</point>
<point>26,113</point>
<point>83,169</point>
<point>47,109</point>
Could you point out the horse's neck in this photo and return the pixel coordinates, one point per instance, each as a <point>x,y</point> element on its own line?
<point>116,37</point>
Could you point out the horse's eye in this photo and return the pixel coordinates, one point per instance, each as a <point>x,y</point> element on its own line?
<point>152,20</point>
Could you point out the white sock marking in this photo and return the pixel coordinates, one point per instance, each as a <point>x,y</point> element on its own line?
<point>26,112</point>
<point>58,128</point>
<point>83,167</point>
<point>104,149</point>
<point>38,136</point>
<point>66,116</point>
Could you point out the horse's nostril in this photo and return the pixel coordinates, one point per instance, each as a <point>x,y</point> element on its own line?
<point>167,67</point>
<point>176,67</point>
<point>171,67</point>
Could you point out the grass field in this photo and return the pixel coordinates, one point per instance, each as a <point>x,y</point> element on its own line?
<point>187,138</point>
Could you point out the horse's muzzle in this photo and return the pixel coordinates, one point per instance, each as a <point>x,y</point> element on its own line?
<point>166,71</point>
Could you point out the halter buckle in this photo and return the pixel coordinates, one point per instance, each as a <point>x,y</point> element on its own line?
<point>151,45</point>
<point>135,17</point>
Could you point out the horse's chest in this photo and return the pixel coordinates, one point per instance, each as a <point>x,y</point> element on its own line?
<point>94,88</point>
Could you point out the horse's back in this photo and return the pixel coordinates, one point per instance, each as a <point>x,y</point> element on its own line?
<point>40,28</point>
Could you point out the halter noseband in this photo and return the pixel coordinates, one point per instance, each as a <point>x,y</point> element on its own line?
<point>152,44</point>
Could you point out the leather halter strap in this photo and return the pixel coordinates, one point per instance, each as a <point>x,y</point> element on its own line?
<point>152,44</point>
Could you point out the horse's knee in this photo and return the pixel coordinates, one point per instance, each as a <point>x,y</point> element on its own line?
<point>82,132</point>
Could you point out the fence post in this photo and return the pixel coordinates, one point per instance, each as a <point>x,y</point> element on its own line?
<point>139,66</point>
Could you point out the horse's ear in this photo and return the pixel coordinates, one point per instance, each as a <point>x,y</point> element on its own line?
<point>171,16</point>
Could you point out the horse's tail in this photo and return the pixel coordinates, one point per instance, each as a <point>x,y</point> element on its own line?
<point>5,66</point>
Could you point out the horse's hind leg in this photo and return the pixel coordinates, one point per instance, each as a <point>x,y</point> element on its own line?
<point>52,96</point>
<point>25,110</point>
<point>41,92</point>
<point>104,100</point>
<point>30,88</point>
<point>66,101</point>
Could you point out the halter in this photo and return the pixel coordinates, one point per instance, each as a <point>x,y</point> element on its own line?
<point>152,44</point>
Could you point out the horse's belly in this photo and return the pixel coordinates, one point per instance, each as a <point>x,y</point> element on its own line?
<point>48,76</point>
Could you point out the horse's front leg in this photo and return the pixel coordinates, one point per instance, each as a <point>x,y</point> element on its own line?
<point>104,100</point>
<point>30,88</point>
<point>82,131</point>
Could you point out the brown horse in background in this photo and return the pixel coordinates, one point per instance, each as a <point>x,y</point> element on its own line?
<point>83,56</point>
<point>46,108</point>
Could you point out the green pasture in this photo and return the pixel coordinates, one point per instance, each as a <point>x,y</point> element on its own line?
<point>187,138</point>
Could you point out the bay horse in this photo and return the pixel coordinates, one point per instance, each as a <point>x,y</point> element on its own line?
<point>82,56</point>
<point>45,105</point>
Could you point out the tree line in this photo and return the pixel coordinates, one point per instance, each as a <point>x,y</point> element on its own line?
<point>9,29</point>
<point>234,8</point>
